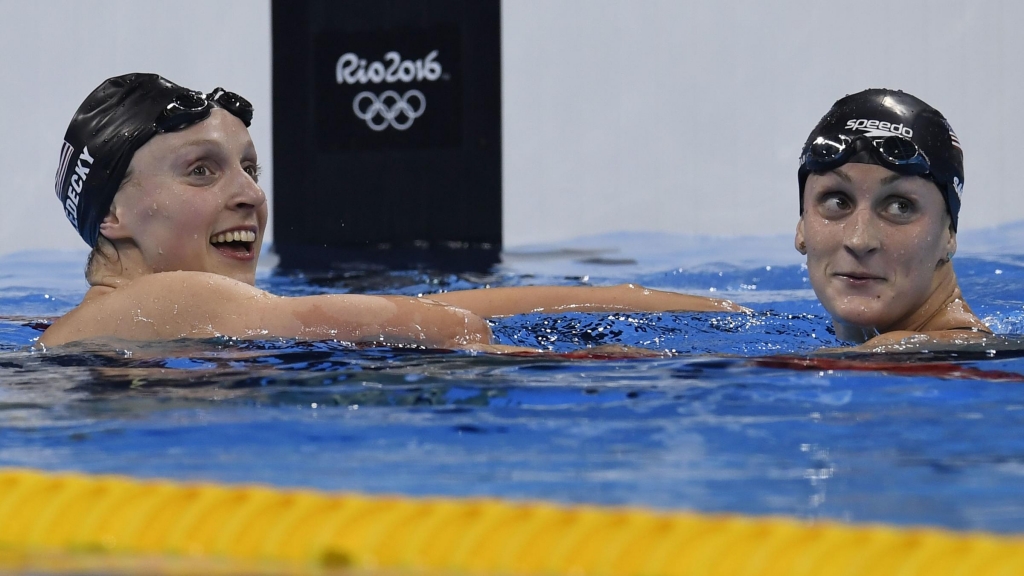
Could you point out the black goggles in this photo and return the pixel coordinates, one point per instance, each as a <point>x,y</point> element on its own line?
<point>895,152</point>
<point>189,107</point>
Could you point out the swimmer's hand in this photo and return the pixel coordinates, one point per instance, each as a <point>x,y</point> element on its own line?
<point>502,349</point>
<point>494,302</point>
<point>603,352</point>
<point>615,351</point>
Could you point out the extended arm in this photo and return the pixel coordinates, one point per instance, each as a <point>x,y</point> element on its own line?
<point>491,302</point>
<point>378,319</point>
<point>173,305</point>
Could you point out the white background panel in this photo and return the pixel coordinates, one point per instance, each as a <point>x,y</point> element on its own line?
<point>653,115</point>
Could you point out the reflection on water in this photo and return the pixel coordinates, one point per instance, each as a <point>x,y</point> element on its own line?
<point>739,419</point>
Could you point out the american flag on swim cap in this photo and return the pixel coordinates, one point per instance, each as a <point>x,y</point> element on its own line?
<point>952,136</point>
<point>65,156</point>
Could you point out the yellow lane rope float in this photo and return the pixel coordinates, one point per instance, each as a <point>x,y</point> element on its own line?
<point>303,531</point>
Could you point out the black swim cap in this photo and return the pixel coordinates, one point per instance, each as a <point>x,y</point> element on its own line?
<point>115,120</point>
<point>893,129</point>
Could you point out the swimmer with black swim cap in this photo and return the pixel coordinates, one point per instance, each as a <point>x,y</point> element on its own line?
<point>117,119</point>
<point>881,178</point>
<point>162,183</point>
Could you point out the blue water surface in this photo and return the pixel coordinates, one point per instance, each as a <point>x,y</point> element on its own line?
<point>737,419</point>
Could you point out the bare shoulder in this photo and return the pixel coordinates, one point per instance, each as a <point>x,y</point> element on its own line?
<point>160,306</point>
<point>904,340</point>
<point>175,285</point>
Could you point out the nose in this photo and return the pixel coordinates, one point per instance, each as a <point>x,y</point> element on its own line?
<point>860,233</point>
<point>247,194</point>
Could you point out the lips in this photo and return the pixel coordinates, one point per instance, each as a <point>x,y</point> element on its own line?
<point>236,243</point>
<point>858,277</point>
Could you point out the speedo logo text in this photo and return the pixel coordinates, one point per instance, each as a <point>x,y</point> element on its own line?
<point>878,129</point>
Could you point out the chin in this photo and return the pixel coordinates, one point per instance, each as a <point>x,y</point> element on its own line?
<point>246,274</point>
<point>244,277</point>
<point>860,317</point>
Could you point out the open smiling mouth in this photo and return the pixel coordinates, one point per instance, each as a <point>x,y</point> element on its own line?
<point>235,244</point>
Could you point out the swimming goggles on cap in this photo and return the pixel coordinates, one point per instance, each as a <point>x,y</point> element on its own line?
<point>895,152</point>
<point>189,107</point>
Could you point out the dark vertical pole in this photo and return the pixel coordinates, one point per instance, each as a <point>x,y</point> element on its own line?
<point>387,132</point>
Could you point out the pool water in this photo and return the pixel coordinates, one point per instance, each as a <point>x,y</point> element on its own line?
<point>737,419</point>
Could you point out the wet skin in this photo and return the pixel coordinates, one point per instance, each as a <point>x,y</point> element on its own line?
<point>170,280</point>
<point>878,245</point>
<point>185,187</point>
<point>171,277</point>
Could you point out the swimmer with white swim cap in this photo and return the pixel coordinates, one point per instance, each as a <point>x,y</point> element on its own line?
<point>162,183</point>
<point>881,177</point>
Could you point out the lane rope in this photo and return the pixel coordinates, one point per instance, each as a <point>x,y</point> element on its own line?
<point>268,530</point>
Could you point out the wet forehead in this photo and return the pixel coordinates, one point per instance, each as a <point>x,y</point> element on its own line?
<point>872,177</point>
<point>220,132</point>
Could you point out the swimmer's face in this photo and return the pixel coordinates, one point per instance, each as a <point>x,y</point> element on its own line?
<point>875,241</point>
<point>186,192</point>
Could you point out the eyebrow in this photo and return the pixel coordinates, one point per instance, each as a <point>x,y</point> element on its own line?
<point>839,172</point>
<point>200,143</point>
<point>892,178</point>
<point>843,175</point>
<point>210,142</point>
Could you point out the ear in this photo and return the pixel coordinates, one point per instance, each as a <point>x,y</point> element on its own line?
<point>798,242</point>
<point>951,243</point>
<point>112,226</point>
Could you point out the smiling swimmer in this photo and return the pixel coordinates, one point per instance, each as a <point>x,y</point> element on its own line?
<point>162,183</point>
<point>881,177</point>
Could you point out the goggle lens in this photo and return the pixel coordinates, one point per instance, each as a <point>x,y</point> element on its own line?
<point>826,149</point>
<point>185,108</point>
<point>188,107</point>
<point>189,101</point>
<point>233,103</point>
<point>898,150</point>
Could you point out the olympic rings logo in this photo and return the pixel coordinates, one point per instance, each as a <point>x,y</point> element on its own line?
<point>389,109</point>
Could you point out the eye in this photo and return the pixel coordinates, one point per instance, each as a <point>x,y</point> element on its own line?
<point>835,203</point>
<point>254,171</point>
<point>900,208</point>
<point>201,170</point>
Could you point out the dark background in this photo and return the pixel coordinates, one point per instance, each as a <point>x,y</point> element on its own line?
<point>439,125</point>
<point>343,193</point>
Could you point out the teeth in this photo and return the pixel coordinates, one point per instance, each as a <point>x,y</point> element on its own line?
<point>236,236</point>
